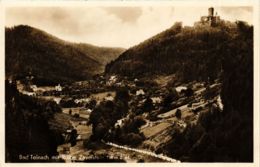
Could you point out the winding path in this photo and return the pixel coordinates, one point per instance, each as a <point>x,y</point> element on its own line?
<point>160,156</point>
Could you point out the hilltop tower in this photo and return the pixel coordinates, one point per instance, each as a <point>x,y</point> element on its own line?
<point>211,19</point>
<point>211,11</point>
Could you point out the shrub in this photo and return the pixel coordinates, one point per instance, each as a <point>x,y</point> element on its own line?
<point>188,92</point>
<point>67,103</point>
<point>76,115</point>
<point>132,139</point>
<point>178,113</point>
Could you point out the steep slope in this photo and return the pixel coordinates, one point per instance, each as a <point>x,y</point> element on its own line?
<point>225,136</point>
<point>30,50</point>
<point>27,131</point>
<point>190,52</point>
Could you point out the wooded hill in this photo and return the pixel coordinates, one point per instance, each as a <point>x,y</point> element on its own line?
<point>32,51</point>
<point>192,53</point>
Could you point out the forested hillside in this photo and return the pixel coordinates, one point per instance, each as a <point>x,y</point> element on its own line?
<point>192,53</point>
<point>225,136</point>
<point>35,52</point>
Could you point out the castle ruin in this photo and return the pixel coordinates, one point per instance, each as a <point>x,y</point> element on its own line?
<point>211,19</point>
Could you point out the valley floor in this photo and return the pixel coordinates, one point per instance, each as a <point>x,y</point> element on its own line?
<point>157,131</point>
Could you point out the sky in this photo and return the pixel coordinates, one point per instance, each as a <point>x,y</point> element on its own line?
<point>114,26</point>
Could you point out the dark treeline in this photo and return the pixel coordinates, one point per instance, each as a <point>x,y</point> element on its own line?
<point>224,136</point>
<point>27,131</point>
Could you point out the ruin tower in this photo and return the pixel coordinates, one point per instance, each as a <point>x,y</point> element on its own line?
<point>211,12</point>
<point>210,19</point>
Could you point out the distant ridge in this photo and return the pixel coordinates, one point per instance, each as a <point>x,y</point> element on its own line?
<point>33,51</point>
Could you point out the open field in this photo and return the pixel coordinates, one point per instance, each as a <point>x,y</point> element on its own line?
<point>151,131</point>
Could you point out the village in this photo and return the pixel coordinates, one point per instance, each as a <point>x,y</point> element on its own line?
<point>169,106</point>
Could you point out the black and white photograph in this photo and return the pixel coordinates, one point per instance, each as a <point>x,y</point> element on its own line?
<point>129,84</point>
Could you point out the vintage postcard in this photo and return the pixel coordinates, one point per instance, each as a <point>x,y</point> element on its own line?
<point>130,82</point>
